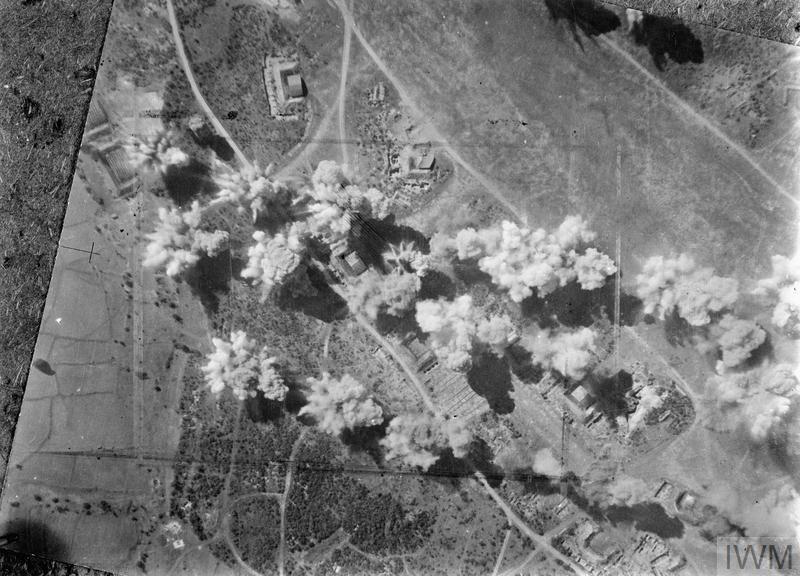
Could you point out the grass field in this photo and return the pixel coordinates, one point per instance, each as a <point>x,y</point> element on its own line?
<point>578,107</point>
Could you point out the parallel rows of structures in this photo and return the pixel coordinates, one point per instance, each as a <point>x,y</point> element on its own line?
<point>100,143</point>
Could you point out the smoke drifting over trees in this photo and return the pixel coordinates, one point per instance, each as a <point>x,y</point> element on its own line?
<point>784,284</point>
<point>156,152</point>
<point>456,327</point>
<point>332,200</point>
<point>250,188</point>
<point>572,354</point>
<point>521,260</point>
<point>339,405</point>
<point>668,284</point>
<point>177,243</point>
<point>373,293</point>
<point>271,260</point>
<point>240,365</point>
<point>417,439</point>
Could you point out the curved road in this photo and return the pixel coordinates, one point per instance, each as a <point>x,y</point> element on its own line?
<point>187,69</point>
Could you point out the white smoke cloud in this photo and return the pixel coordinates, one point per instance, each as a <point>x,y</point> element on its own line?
<point>784,284</point>
<point>759,400</point>
<point>416,439</point>
<point>176,244</point>
<point>737,339</point>
<point>455,327</point>
<point>341,404</point>
<point>407,257</point>
<point>251,188</point>
<point>545,463</point>
<point>373,293</point>
<point>272,260</point>
<point>521,260</point>
<point>626,490</point>
<point>666,284</point>
<point>156,152</point>
<point>650,399</point>
<point>497,332</point>
<point>240,365</point>
<point>774,513</point>
<point>332,201</point>
<point>572,354</point>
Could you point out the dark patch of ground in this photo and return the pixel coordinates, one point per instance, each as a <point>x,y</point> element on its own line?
<point>667,37</point>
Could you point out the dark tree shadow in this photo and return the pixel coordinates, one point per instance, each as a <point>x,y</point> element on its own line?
<point>210,278</point>
<point>588,16</point>
<point>667,37</point>
<point>522,364</point>
<point>610,393</point>
<point>186,182</point>
<point>219,145</point>
<point>764,352</point>
<point>481,458</point>
<point>436,284</point>
<point>534,483</point>
<point>320,302</point>
<point>366,439</point>
<point>35,538</point>
<point>490,377</point>
<point>467,271</point>
<point>677,330</point>
<point>572,306</point>
<point>647,516</point>
<point>261,409</point>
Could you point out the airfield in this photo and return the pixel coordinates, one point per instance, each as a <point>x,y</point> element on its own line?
<point>529,125</point>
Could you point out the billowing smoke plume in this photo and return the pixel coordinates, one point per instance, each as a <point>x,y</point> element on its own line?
<point>373,293</point>
<point>251,188</point>
<point>332,202</point>
<point>650,399</point>
<point>176,244</point>
<point>405,256</point>
<point>272,260</point>
<point>572,354</point>
<point>521,260</point>
<point>784,284</point>
<point>240,365</point>
<point>545,463</point>
<point>417,439</point>
<point>737,339</point>
<point>339,405</point>
<point>760,400</point>
<point>666,284</point>
<point>455,327</point>
<point>774,513</point>
<point>156,152</point>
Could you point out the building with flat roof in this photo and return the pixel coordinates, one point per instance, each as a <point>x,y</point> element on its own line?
<point>294,86</point>
<point>581,397</point>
